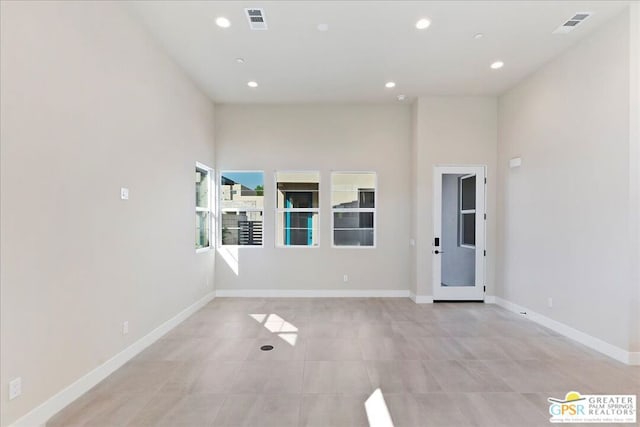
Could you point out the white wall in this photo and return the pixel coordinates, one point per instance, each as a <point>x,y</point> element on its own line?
<point>634,169</point>
<point>321,138</point>
<point>413,222</point>
<point>564,214</point>
<point>452,131</point>
<point>89,104</point>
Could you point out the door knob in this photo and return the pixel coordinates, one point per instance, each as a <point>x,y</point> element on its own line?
<point>437,252</point>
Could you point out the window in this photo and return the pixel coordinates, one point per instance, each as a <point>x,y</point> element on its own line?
<point>353,202</point>
<point>297,208</point>
<point>203,207</point>
<point>467,211</point>
<point>241,208</point>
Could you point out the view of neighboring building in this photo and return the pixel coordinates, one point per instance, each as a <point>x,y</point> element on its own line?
<point>353,198</point>
<point>298,205</point>
<point>242,210</point>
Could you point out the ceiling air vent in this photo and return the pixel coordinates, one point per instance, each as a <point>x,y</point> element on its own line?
<point>256,18</point>
<point>572,23</point>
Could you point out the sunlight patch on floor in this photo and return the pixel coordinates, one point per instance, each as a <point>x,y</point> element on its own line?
<point>277,325</point>
<point>377,411</point>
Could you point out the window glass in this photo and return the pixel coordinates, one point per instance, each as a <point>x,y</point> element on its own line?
<point>353,201</point>
<point>297,208</point>
<point>353,190</point>
<point>241,208</point>
<point>203,206</point>
<point>468,193</point>
<point>467,210</point>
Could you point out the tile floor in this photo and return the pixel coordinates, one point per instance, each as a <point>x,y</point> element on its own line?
<point>466,364</point>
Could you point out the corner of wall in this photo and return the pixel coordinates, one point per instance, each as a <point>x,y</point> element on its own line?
<point>634,171</point>
<point>413,286</point>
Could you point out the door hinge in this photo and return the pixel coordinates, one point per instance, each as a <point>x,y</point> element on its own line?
<point>485,252</point>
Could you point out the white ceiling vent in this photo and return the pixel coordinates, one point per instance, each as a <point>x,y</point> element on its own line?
<point>256,18</point>
<point>572,23</point>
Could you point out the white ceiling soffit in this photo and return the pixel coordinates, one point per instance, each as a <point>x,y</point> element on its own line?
<point>367,44</point>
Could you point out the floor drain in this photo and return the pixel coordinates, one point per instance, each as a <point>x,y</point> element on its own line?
<point>266,348</point>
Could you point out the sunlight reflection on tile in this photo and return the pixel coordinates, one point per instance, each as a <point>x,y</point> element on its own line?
<point>290,338</point>
<point>377,411</point>
<point>258,317</point>
<point>277,325</point>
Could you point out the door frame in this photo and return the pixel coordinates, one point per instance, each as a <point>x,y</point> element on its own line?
<point>460,293</point>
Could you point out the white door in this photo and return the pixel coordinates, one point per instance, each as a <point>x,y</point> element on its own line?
<point>458,246</point>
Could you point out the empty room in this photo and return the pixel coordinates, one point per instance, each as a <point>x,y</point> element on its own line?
<point>319,213</point>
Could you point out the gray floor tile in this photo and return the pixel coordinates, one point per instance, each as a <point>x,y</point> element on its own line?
<point>333,349</point>
<point>336,377</point>
<point>167,410</point>
<point>259,410</point>
<point>333,410</point>
<point>406,376</point>
<point>430,409</point>
<point>465,376</point>
<point>436,365</point>
<point>276,377</point>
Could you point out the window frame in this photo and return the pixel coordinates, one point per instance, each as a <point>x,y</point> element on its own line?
<point>201,167</point>
<point>284,210</point>
<point>374,210</point>
<point>462,212</point>
<point>222,210</point>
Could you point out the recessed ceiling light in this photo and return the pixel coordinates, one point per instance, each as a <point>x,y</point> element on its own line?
<point>389,85</point>
<point>240,60</point>
<point>252,84</point>
<point>423,23</point>
<point>497,65</point>
<point>223,22</point>
<point>478,36</point>
<point>401,97</point>
<point>323,27</point>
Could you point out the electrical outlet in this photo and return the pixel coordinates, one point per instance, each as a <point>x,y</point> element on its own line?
<point>550,302</point>
<point>345,278</point>
<point>125,327</point>
<point>15,388</point>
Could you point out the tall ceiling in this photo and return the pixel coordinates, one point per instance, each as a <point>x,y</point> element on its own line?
<point>367,44</point>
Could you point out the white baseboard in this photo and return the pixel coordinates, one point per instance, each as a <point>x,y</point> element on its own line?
<point>630,358</point>
<point>489,299</point>
<point>41,414</point>
<point>317,293</point>
<point>421,299</point>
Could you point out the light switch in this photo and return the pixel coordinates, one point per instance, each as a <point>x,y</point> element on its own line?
<point>124,193</point>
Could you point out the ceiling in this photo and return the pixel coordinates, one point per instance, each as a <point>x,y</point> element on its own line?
<point>367,44</point>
